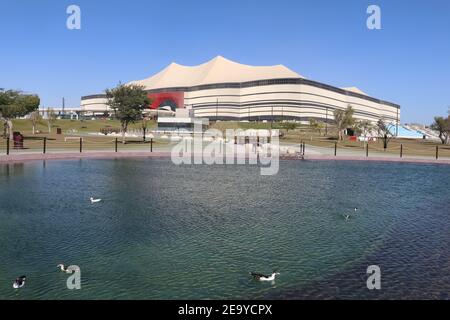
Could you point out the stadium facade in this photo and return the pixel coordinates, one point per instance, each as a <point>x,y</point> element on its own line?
<point>221,89</point>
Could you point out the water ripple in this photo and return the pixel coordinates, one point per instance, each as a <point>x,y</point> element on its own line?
<point>180,232</point>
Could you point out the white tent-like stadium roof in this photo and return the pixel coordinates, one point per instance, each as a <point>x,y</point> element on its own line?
<point>355,90</point>
<point>217,70</point>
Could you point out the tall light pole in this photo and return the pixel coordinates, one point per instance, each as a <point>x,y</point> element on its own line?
<point>271,121</point>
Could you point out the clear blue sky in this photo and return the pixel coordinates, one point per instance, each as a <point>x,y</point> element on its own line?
<point>407,62</point>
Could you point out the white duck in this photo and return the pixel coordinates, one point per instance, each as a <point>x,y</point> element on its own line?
<point>95,200</point>
<point>63,268</point>
<point>263,277</point>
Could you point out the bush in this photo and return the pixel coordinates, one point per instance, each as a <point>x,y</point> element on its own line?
<point>108,129</point>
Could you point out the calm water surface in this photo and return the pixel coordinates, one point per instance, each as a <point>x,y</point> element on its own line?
<point>178,232</point>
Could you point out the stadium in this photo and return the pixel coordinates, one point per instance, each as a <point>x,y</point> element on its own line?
<point>221,89</point>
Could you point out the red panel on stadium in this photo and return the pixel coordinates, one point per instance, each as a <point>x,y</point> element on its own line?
<point>163,99</point>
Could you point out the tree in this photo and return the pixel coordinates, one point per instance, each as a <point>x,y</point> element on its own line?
<point>385,131</point>
<point>320,126</point>
<point>442,126</point>
<point>15,104</point>
<point>316,125</point>
<point>343,119</point>
<point>51,118</point>
<point>313,123</point>
<point>365,127</point>
<point>289,126</point>
<point>35,118</point>
<point>128,102</point>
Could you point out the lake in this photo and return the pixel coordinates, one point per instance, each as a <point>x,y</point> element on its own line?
<point>195,232</point>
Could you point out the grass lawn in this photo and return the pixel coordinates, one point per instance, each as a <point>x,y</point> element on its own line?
<point>75,129</point>
<point>80,126</point>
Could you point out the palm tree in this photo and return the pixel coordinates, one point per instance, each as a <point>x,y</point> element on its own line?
<point>365,127</point>
<point>385,131</point>
<point>35,118</point>
<point>343,119</point>
<point>442,126</point>
<point>51,118</point>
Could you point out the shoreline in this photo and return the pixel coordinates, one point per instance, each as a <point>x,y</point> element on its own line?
<point>14,158</point>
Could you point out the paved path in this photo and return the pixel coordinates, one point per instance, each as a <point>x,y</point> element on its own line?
<point>85,155</point>
<point>316,156</point>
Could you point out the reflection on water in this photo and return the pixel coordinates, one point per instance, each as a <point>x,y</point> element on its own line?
<point>15,168</point>
<point>166,231</point>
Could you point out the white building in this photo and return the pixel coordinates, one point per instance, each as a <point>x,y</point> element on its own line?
<point>225,90</point>
<point>183,121</point>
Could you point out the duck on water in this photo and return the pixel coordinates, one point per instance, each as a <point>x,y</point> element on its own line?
<point>264,277</point>
<point>19,282</point>
<point>94,200</point>
<point>63,268</point>
<point>347,216</point>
